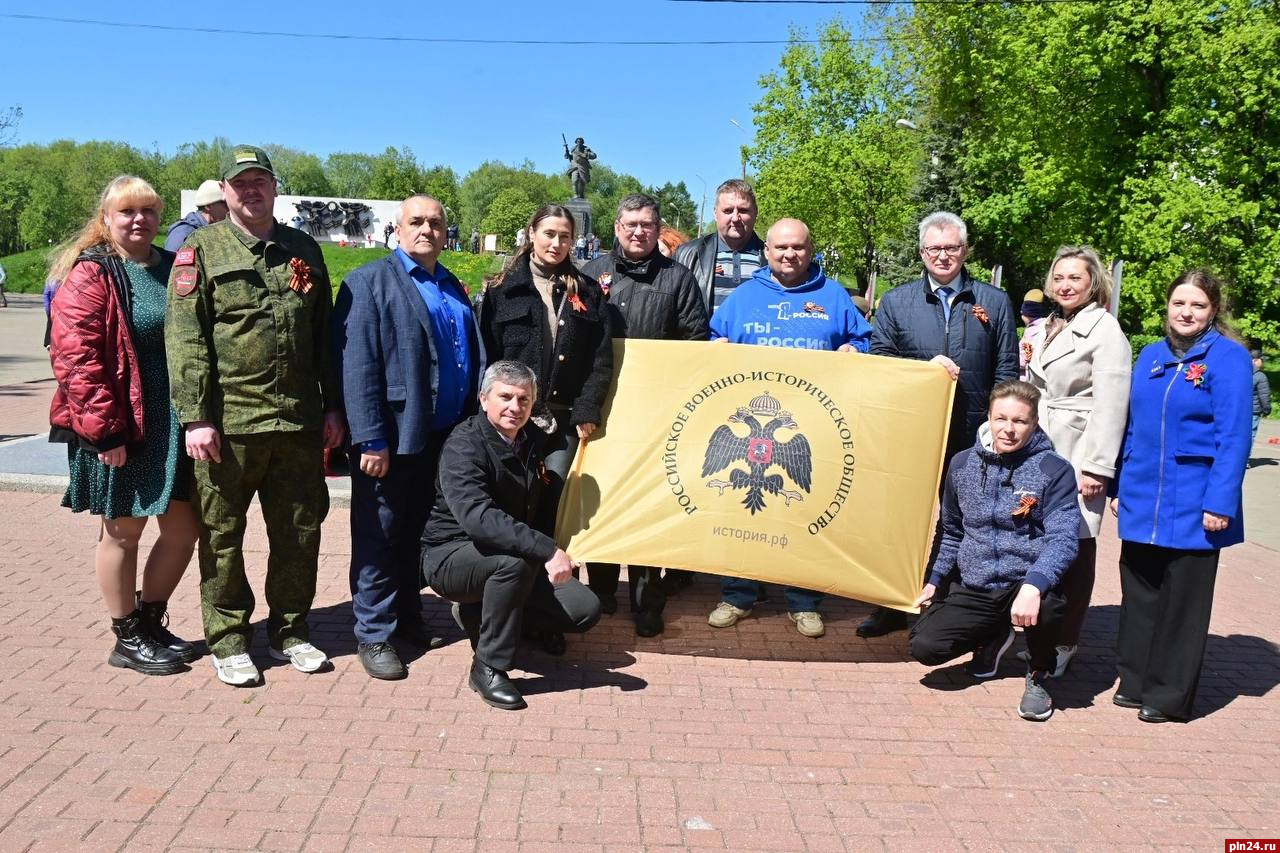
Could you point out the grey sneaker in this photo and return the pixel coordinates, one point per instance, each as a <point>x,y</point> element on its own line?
<point>726,615</point>
<point>1036,702</point>
<point>1065,654</point>
<point>304,657</point>
<point>808,623</point>
<point>986,659</point>
<point>236,670</point>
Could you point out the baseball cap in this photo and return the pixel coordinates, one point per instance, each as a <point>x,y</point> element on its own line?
<point>208,193</point>
<point>244,158</point>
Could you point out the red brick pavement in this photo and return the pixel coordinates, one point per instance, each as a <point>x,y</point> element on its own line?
<point>746,739</point>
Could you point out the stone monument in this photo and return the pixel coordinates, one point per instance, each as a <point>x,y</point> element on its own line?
<point>579,172</point>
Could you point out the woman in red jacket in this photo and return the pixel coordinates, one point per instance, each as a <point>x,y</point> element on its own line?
<point>111,406</point>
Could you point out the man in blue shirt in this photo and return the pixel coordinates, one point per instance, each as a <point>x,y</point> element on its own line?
<point>410,355</point>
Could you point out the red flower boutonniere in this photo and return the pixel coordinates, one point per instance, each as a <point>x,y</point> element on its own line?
<point>1027,351</point>
<point>1195,373</point>
<point>606,281</point>
<point>1025,504</point>
<point>576,301</point>
<point>542,473</point>
<point>300,281</point>
<point>980,314</point>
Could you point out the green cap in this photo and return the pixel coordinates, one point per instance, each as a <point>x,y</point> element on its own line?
<point>244,158</point>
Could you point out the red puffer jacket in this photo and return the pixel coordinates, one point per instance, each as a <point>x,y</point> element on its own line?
<point>99,393</point>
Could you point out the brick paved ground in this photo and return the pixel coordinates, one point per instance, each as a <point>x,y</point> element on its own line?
<point>745,739</point>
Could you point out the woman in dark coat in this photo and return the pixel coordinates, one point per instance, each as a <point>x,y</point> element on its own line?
<point>545,314</point>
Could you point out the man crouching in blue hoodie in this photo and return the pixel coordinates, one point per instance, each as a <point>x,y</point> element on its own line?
<point>1009,525</point>
<point>790,303</point>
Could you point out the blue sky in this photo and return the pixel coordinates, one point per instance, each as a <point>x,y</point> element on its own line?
<point>454,104</point>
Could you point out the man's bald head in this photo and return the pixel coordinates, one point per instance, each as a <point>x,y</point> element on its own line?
<point>789,250</point>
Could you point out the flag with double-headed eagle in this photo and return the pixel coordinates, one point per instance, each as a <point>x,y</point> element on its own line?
<point>809,468</point>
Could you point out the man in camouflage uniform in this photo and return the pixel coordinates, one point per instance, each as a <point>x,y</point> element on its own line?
<point>254,384</point>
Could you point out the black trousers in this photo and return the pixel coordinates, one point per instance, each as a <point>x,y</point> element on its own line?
<point>1166,601</point>
<point>1077,589</point>
<point>646,590</point>
<point>498,593</point>
<point>969,618</point>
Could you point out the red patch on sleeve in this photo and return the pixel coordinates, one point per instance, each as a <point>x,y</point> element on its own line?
<point>185,280</point>
<point>186,257</point>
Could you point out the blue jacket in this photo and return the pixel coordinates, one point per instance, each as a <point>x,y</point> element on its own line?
<point>383,344</point>
<point>816,314</point>
<point>181,230</point>
<point>909,324</point>
<point>1186,445</point>
<point>986,533</point>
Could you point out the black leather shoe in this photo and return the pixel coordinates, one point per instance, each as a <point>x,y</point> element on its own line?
<point>494,687</point>
<point>551,642</point>
<point>676,580</point>
<point>608,603</point>
<point>648,624</point>
<point>135,649</point>
<point>381,661</point>
<point>882,621</point>
<point>1151,715</point>
<point>415,632</point>
<point>1125,701</point>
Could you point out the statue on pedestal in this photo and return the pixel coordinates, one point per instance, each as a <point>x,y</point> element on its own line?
<point>579,171</point>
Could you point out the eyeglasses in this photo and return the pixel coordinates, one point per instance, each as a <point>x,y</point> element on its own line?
<point>935,251</point>
<point>643,227</point>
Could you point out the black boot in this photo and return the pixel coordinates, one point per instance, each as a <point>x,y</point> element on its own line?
<point>882,621</point>
<point>494,687</point>
<point>155,619</point>
<point>136,650</point>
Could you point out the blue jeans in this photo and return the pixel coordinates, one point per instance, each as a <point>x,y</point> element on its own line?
<point>742,593</point>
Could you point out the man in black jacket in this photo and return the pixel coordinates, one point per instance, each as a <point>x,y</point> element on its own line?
<point>654,298</point>
<point>950,318</point>
<point>480,548</point>
<point>723,260</point>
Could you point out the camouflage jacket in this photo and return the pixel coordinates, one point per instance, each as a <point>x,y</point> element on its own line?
<point>247,331</point>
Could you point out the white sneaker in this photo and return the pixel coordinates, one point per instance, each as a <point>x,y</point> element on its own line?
<point>1065,654</point>
<point>304,657</point>
<point>237,670</point>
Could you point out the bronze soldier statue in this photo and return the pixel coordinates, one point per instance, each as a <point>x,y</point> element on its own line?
<point>579,171</point>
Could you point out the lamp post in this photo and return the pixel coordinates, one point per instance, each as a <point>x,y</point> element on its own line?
<point>702,208</point>
<point>743,149</point>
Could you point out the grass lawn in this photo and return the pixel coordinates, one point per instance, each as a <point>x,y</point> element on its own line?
<point>27,270</point>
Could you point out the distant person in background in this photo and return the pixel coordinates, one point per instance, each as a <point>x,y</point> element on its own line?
<point>451,237</point>
<point>111,407</point>
<point>522,237</point>
<point>50,288</point>
<point>861,303</point>
<point>210,208</point>
<point>669,239</point>
<point>475,242</point>
<point>1261,391</point>
<point>1033,312</point>
<point>4,300</point>
<point>580,247</point>
<point>386,234</point>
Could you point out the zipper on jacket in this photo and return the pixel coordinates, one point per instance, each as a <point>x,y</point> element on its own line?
<point>1164,410</point>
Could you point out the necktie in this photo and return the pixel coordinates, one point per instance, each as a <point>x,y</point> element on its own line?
<point>944,295</point>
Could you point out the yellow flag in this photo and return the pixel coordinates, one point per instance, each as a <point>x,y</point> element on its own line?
<point>814,469</point>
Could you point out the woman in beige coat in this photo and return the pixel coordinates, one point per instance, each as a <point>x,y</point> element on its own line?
<point>1082,371</point>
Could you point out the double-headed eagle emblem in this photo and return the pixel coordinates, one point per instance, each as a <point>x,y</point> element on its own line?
<point>759,450</point>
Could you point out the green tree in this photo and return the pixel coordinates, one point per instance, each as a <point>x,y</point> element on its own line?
<point>349,174</point>
<point>479,189</point>
<point>509,212</point>
<point>606,189</point>
<point>678,209</point>
<point>396,175</point>
<point>192,164</point>
<point>1145,129</point>
<point>299,172</point>
<point>826,149</point>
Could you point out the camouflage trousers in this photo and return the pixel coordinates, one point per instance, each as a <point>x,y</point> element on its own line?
<point>285,470</point>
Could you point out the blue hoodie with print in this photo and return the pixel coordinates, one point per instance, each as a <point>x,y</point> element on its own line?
<point>816,314</point>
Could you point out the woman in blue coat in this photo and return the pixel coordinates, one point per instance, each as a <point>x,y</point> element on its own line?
<point>1179,497</point>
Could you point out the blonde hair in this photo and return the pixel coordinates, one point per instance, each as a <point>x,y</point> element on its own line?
<point>1099,275</point>
<point>123,189</point>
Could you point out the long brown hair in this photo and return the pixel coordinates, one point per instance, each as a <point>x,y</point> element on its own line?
<point>567,272</point>
<point>123,189</point>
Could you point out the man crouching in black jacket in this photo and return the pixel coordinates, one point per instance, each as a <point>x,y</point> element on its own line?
<point>479,548</point>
